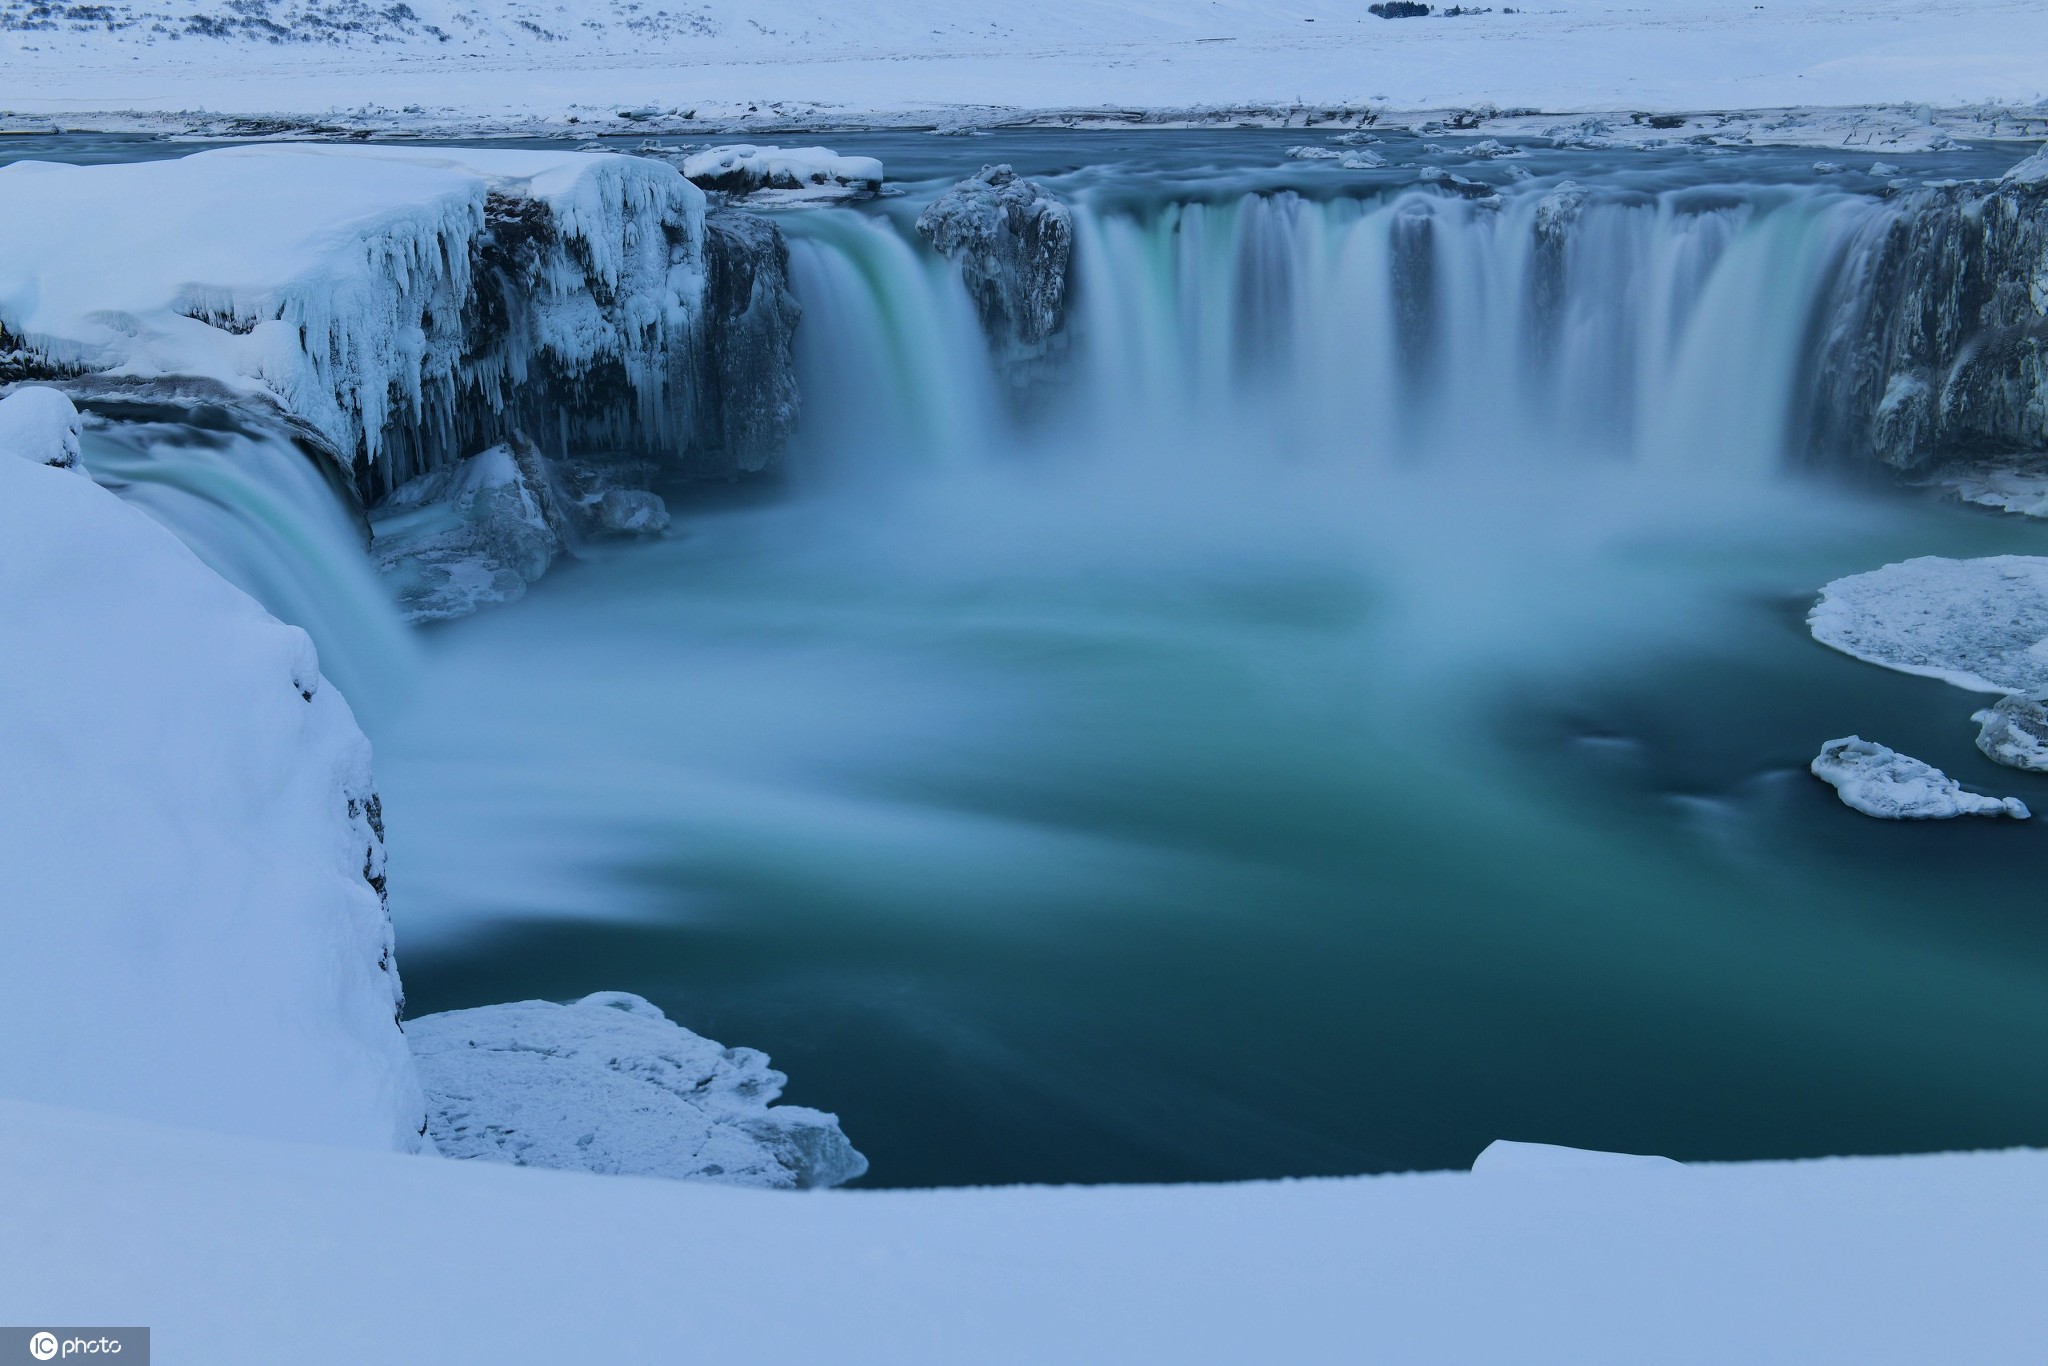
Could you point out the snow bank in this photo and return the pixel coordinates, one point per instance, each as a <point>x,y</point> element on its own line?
<point>608,1084</point>
<point>1979,624</point>
<point>1876,1261</point>
<point>1882,782</point>
<point>408,304</point>
<point>809,172</point>
<point>194,927</point>
<point>40,424</point>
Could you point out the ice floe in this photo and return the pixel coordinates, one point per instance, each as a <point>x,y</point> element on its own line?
<point>1882,782</point>
<point>1980,624</point>
<point>2014,731</point>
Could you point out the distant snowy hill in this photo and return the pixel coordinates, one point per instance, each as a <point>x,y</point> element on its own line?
<point>499,64</point>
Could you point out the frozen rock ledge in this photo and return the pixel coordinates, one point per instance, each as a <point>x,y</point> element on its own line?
<point>2014,731</point>
<point>1882,782</point>
<point>1013,242</point>
<point>609,1084</point>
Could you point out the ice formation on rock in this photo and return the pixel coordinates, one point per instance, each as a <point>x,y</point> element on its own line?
<point>1882,782</point>
<point>40,424</point>
<point>478,532</point>
<point>412,306</point>
<point>1979,624</point>
<point>1937,352</point>
<point>1013,242</point>
<point>2006,488</point>
<point>609,1084</point>
<point>194,927</point>
<point>746,395</point>
<point>2014,731</point>
<point>795,172</point>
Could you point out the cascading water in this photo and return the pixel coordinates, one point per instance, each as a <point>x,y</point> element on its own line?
<point>1347,705</point>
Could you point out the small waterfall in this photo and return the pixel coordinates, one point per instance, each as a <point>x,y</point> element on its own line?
<point>263,515</point>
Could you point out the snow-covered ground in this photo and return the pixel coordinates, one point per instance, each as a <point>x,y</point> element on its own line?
<point>617,64</point>
<point>239,1252</point>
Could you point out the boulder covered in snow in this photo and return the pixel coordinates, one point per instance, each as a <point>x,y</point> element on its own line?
<point>2014,731</point>
<point>40,424</point>
<point>1882,782</point>
<point>809,173</point>
<point>194,928</point>
<point>1980,624</point>
<point>1014,243</point>
<point>609,1084</point>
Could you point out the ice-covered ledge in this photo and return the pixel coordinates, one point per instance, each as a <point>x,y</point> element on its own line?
<point>411,305</point>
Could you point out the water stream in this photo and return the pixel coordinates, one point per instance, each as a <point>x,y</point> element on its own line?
<point>1355,709</point>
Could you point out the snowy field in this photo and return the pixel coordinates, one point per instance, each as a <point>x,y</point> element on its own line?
<point>237,1250</point>
<point>505,65</point>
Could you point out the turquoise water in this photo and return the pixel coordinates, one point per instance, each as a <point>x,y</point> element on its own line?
<point>1322,756</point>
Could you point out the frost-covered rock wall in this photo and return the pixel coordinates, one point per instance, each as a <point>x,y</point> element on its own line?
<point>1013,242</point>
<point>194,925</point>
<point>1938,351</point>
<point>413,306</point>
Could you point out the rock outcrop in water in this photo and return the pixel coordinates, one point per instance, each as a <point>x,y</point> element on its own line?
<point>2014,731</point>
<point>1882,782</point>
<point>608,1084</point>
<point>1938,354</point>
<point>1014,244</point>
<point>746,395</point>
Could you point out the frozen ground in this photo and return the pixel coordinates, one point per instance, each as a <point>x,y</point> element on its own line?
<point>448,65</point>
<point>240,1251</point>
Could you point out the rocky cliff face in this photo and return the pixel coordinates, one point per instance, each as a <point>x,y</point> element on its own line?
<point>1014,243</point>
<point>746,396</point>
<point>1938,353</point>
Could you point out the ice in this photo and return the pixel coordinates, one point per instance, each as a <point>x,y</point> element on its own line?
<point>2009,489</point>
<point>1503,1157</point>
<point>40,424</point>
<point>2014,732</point>
<point>1882,782</point>
<point>398,300</point>
<point>1313,153</point>
<point>608,1084</point>
<point>1013,242</point>
<point>471,535</point>
<point>1980,624</point>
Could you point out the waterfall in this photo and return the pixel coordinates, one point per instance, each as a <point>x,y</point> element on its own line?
<point>262,514</point>
<point>1671,329</point>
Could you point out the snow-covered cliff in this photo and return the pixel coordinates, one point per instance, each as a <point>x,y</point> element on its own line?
<point>413,306</point>
<point>194,927</point>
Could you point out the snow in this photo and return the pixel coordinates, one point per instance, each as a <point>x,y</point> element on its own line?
<point>608,1084</point>
<point>1980,624</point>
<point>194,928</point>
<point>508,65</point>
<point>2007,489</point>
<point>1882,782</point>
<point>40,424</point>
<point>1505,1157</point>
<point>332,278</point>
<point>2014,731</point>
<point>808,172</point>
<point>230,1248</point>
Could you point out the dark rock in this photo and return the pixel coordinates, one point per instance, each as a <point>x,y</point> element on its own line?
<point>1014,243</point>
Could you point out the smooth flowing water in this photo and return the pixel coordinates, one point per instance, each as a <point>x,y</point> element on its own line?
<point>1351,705</point>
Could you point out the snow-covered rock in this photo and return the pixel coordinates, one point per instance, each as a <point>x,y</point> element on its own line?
<point>1314,153</point>
<point>785,173</point>
<point>411,305</point>
<point>609,1084</point>
<point>470,535</point>
<point>1013,242</point>
<point>1882,782</point>
<point>629,512</point>
<point>40,424</point>
<point>2014,731</point>
<point>1980,624</point>
<point>2009,489</point>
<point>1365,160</point>
<point>194,929</point>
